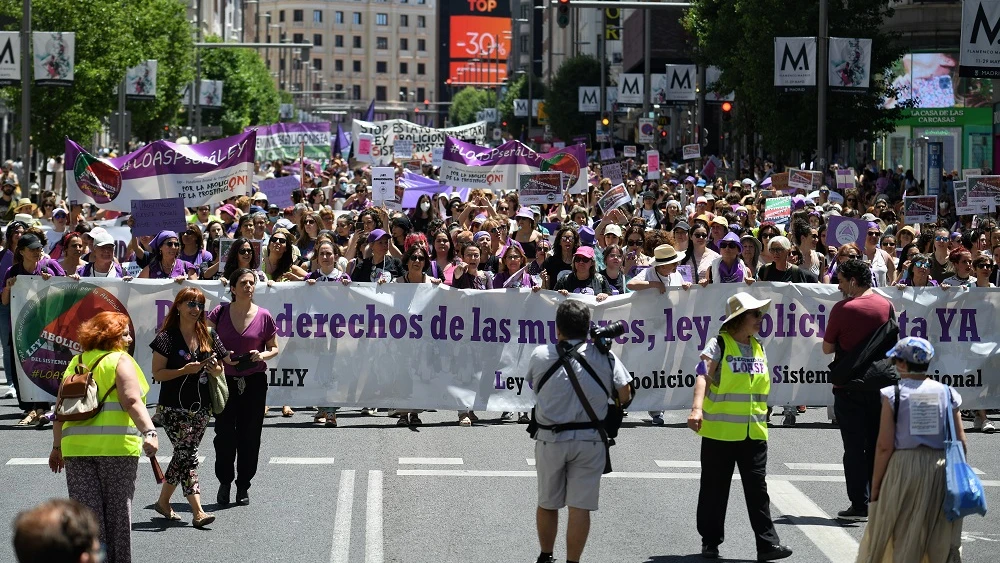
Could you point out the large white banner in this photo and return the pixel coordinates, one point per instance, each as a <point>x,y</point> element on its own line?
<point>712,76</point>
<point>681,83</point>
<point>589,99</point>
<point>631,89</point>
<point>140,81</point>
<point>850,65</point>
<point>53,54</point>
<point>426,346</point>
<point>794,63</point>
<point>425,139</point>
<point>979,53</point>
<point>521,108</point>
<point>10,58</point>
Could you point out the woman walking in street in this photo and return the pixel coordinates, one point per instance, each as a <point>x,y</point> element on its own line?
<point>729,411</point>
<point>101,454</point>
<point>185,355</point>
<point>249,334</point>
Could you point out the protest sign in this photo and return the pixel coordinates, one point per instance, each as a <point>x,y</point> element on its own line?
<point>614,171</point>
<point>779,181</point>
<point>920,209</point>
<point>283,140</point>
<point>203,173</point>
<point>472,166</point>
<point>614,198</point>
<point>962,205</point>
<point>383,184</point>
<point>845,179</point>
<point>984,190</point>
<point>437,156</point>
<point>402,149</point>
<point>691,152</point>
<point>652,165</point>
<point>385,133</point>
<point>131,269</point>
<point>607,154</point>
<point>155,215</point>
<point>844,230</point>
<point>969,172</point>
<point>778,209</point>
<point>802,179</point>
<point>279,190</point>
<point>540,188</point>
<point>333,339</point>
<point>629,151</point>
<point>364,147</point>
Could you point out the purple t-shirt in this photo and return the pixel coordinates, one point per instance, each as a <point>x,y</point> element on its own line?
<point>260,330</point>
<point>44,265</point>
<point>181,268</point>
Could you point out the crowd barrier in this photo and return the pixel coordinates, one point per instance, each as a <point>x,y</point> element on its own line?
<point>433,347</point>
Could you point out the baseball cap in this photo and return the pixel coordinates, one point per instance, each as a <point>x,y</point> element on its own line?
<point>613,230</point>
<point>29,241</point>
<point>376,235</point>
<point>912,349</point>
<point>585,251</point>
<point>101,237</point>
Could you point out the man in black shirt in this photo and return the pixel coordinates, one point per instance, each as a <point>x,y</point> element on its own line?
<point>779,270</point>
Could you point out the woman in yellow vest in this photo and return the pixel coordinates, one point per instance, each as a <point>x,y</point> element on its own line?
<point>101,454</point>
<point>729,411</point>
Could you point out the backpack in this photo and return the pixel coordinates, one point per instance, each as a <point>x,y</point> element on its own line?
<point>77,399</point>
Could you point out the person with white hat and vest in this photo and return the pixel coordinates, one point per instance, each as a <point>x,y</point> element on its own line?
<point>729,411</point>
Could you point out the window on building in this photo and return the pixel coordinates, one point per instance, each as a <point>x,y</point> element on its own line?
<point>318,64</point>
<point>421,95</point>
<point>381,19</point>
<point>403,93</point>
<point>357,41</point>
<point>404,68</point>
<point>525,45</point>
<point>525,10</point>
<point>338,17</point>
<point>404,44</point>
<point>356,18</point>
<point>317,16</point>
<point>380,94</point>
<point>421,21</point>
<point>281,63</point>
<point>357,66</point>
<point>381,67</point>
<point>421,2</point>
<point>298,38</point>
<point>297,15</point>
<point>404,20</point>
<point>356,92</point>
<point>421,69</point>
<point>421,44</point>
<point>338,65</point>
<point>281,15</point>
<point>338,41</point>
<point>381,42</point>
<point>317,39</point>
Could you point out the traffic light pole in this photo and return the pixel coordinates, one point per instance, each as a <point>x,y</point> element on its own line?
<point>602,47</point>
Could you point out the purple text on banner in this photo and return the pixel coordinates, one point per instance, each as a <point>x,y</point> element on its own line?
<point>155,215</point>
<point>844,230</point>
<point>279,190</point>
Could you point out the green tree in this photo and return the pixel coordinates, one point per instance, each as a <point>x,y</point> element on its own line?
<point>735,37</point>
<point>249,96</point>
<point>467,102</point>
<point>164,34</point>
<point>561,101</point>
<point>519,91</point>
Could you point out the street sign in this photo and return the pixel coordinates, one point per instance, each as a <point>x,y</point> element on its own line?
<point>489,115</point>
<point>496,134</point>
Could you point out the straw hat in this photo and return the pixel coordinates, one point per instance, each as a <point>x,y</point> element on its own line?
<point>743,302</point>
<point>666,254</point>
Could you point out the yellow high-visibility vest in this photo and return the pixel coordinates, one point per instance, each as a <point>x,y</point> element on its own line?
<point>111,432</point>
<point>735,407</point>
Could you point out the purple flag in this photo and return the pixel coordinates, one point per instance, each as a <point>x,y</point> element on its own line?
<point>343,140</point>
<point>370,114</point>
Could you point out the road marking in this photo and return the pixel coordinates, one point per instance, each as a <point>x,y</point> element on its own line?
<point>28,461</point>
<point>431,461</point>
<point>166,459</point>
<point>341,550</point>
<point>462,473</point>
<point>530,460</point>
<point>373,519</point>
<point>672,463</point>
<point>837,467</point>
<point>301,460</point>
<point>835,543</point>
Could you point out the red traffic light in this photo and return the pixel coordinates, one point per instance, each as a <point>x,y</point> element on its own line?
<point>564,2</point>
<point>663,134</point>
<point>727,107</point>
<point>503,123</point>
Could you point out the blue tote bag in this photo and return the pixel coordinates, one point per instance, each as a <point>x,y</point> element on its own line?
<point>964,494</point>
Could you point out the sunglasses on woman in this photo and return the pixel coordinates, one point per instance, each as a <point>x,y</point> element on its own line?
<point>196,305</point>
<point>633,242</point>
<point>581,260</point>
<point>725,245</point>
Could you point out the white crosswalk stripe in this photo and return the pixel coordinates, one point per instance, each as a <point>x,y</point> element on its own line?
<point>431,461</point>
<point>301,461</point>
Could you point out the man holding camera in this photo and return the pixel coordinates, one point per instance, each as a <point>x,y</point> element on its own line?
<point>570,450</point>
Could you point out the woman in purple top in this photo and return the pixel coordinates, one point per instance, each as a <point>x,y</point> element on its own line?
<point>165,264</point>
<point>28,261</point>
<point>250,334</point>
<point>14,231</point>
<point>192,246</point>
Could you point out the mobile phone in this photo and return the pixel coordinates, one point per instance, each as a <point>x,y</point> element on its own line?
<point>208,359</point>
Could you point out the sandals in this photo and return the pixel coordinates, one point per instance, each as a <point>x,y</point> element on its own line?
<point>403,420</point>
<point>205,520</point>
<point>30,418</point>
<point>331,421</point>
<point>320,416</point>
<point>287,412</point>
<point>414,419</point>
<point>171,515</point>
<point>464,420</point>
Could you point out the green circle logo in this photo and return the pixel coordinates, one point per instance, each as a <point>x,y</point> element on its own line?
<point>46,331</point>
<point>97,178</point>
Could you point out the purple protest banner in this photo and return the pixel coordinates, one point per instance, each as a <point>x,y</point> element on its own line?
<point>202,174</point>
<point>416,185</point>
<point>844,230</point>
<point>155,215</point>
<point>279,190</point>
<point>466,165</point>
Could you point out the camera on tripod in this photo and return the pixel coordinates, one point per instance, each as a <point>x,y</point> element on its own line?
<point>603,335</point>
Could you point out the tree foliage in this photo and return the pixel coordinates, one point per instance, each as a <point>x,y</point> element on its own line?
<point>469,101</point>
<point>561,102</point>
<point>737,37</point>
<point>519,91</point>
<point>249,96</point>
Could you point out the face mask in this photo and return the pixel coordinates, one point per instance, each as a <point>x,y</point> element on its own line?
<point>425,206</point>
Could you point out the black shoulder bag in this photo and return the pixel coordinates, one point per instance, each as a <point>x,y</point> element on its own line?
<point>866,367</point>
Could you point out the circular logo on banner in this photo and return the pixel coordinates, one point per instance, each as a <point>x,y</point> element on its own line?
<point>565,163</point>
<point>846,232</point>
<point>97,178</point>
<point>46,331</point>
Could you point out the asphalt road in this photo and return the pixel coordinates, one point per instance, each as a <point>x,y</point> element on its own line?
<point>371,492</point>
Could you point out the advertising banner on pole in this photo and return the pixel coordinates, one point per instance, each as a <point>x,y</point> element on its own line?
<point>385,133</point>
<point>979,52</point>
<point>589,99</point>
<point>140,81</point>
<point>520,108</point>
<point>467,165</point>
<point>712,76</point>
<point>203,173</point>
<point>794,63</point>
<point>631,89</point>
<point>682,81</point>
<point>53,53</point>
<point>849,67</point>
<point>283,140</point>
<point>10,58</point>
<point>409,345</point>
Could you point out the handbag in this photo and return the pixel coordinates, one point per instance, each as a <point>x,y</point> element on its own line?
<point>78,393</point>
<point>218,388</point>
<point>866,367</point>
<point>964,494</point>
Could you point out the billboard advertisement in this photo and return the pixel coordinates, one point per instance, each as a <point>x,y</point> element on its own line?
<point>478,41</point>
<point>930,80</point>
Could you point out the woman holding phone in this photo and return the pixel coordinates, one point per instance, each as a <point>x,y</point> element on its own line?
<point>250,334</point>
<point>185,354</point>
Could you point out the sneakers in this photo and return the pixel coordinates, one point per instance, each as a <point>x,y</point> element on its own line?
<point>523,418</point>
<point>710,552</point>
<point>464,420</point>
<point>657,420</point>
<point>367,411</point>
<point>789,420</point>
<point>774,552</point>
<point>988,427</point>
<point>414,419</point>
<point>10,393</point>
<point>854,514</point>
<point>505,415</point>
